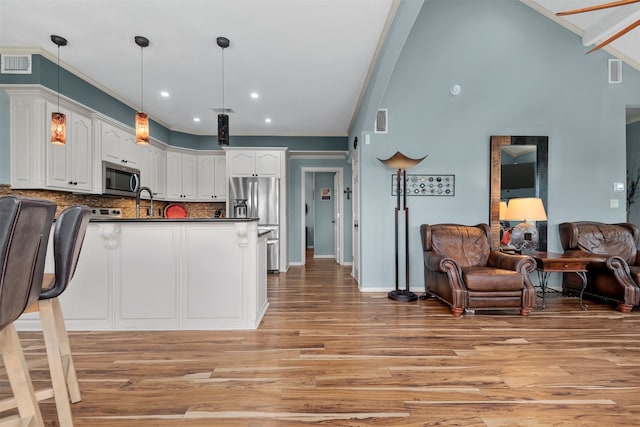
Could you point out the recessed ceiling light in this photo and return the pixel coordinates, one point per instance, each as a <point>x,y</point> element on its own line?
<point>196,119</point>
<point>164,93</point>
<point>255,95</point>
<point>267,120</point>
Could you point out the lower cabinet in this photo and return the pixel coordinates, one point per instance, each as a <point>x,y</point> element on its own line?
<point>165,275</point>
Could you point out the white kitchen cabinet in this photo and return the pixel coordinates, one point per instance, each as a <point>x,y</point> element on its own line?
<point>119,145</point>
<point>153,171</point>
<point>28,138</point>
<point>181,176</point>
<point>254,162</point>
<point>221,182</point>
<point>212,178</point>
<point>165,275</point>
<point>35,162</point>
<point>147,255</point>
<point>69,165</point>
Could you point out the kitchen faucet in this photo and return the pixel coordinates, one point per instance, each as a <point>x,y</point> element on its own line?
<point>140,190</point>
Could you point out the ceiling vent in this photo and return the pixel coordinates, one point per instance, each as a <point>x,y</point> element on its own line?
<point>381,121</point>
<point>615,71</point>
<point>15,64</point>
<point>223,110</point>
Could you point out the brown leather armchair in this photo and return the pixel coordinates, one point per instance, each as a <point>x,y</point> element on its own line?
<point>614,274</point>
<point>461,269</point>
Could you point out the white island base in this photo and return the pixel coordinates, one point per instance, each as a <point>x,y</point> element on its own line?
<point>166,275</point>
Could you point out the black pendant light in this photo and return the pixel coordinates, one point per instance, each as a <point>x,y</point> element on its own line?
<point>223,118</point>
<point>58,119</point>
<point>142,118</point>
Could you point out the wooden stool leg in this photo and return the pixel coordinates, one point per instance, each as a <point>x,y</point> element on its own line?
<point>19,377</point>
<point>65,353</point>
<point>58,381</point>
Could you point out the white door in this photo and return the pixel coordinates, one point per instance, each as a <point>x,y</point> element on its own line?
<point>355,185</point>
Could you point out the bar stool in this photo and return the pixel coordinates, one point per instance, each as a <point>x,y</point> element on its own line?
<point>68,236</point>
<point>24,234</point>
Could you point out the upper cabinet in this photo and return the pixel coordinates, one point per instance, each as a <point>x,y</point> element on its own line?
<point>119,146</point>
<point>35,162</point>
<point>254,162</point>
<point>181,176</point>
<point>212,182</point>
<point>69,165</point>
<point>153,171</point>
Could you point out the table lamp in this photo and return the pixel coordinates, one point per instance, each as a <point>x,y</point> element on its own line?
<point>401,162</point>
<point>525,234</point>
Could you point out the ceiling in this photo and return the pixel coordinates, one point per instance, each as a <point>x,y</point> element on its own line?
<point>308,60</point>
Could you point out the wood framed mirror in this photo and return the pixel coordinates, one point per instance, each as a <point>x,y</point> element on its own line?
<point>536,149</point>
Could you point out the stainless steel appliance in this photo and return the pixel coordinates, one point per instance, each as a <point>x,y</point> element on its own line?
<point>119,180</point>
<point>262,196</point>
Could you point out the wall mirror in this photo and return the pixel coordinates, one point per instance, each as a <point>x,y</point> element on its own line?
<point>518,169</point>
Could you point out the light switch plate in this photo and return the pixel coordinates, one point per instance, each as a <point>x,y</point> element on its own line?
<point>618,186</point>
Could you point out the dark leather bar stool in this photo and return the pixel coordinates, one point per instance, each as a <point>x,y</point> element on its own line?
<point>25,225</point>
<point>68,236</point>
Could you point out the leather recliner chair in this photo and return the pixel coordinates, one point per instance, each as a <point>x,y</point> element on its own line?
<point>461,269</point>
<point>614,273</point>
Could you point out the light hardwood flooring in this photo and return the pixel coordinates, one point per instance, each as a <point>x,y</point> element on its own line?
<point>327,354</point>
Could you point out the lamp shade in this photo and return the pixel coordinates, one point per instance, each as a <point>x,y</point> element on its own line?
<point>503,210</point>
<point>142,128</point>
<point>526,208</point>
<point>400,161</point>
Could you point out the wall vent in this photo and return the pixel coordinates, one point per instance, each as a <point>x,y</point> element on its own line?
<point>615,71</point>
<point>15,64</point>
<point>382,124</point>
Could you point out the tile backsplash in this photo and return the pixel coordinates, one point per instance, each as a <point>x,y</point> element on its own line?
<point>126,204</point>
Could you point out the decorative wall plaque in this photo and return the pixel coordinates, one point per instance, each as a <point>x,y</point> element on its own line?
<point>426,185</point>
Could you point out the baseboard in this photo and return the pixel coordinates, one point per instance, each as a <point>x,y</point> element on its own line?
<point>296,264</point>
<point>324,256</point>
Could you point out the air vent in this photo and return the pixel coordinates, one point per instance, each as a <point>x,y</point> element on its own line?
<point>223,110</point>
<point>15,64</point>
<point>381,121</point>
<point>615,71</point>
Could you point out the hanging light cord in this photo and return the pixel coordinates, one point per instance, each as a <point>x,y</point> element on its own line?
<point>223,111</point>
<point>141,79</point>
<point>58,78</point>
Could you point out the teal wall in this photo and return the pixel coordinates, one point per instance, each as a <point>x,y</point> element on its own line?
<point>521,74</point>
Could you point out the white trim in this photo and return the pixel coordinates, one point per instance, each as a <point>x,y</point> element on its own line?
<point>324,256</point>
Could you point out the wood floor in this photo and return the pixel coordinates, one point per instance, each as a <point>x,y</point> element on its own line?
<point>327,354</point>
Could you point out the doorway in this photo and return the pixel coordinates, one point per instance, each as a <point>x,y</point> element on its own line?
<point>321,213</point>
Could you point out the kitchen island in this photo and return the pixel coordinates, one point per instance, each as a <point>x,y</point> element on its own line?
<point>166,274</point>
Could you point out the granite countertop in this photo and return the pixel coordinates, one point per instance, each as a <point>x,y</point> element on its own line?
<point>152,219</point>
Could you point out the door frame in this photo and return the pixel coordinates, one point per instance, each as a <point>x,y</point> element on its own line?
<point>338,202</point>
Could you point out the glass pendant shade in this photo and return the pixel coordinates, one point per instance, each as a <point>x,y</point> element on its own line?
<point>142,128</point>
<point>58,128</point>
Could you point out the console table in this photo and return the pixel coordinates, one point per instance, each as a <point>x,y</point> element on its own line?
<point>551,262</point>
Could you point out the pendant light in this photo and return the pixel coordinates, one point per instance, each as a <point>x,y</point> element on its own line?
<point>58,119</point>
<point>142,118</point>
<point>223,119</point>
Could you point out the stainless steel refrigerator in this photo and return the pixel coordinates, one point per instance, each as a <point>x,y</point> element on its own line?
<point>261,196</point>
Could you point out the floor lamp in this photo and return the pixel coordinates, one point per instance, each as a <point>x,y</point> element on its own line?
<point>401,163</point>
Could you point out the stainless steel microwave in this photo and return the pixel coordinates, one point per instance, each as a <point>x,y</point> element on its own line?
<point>118,180</point>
